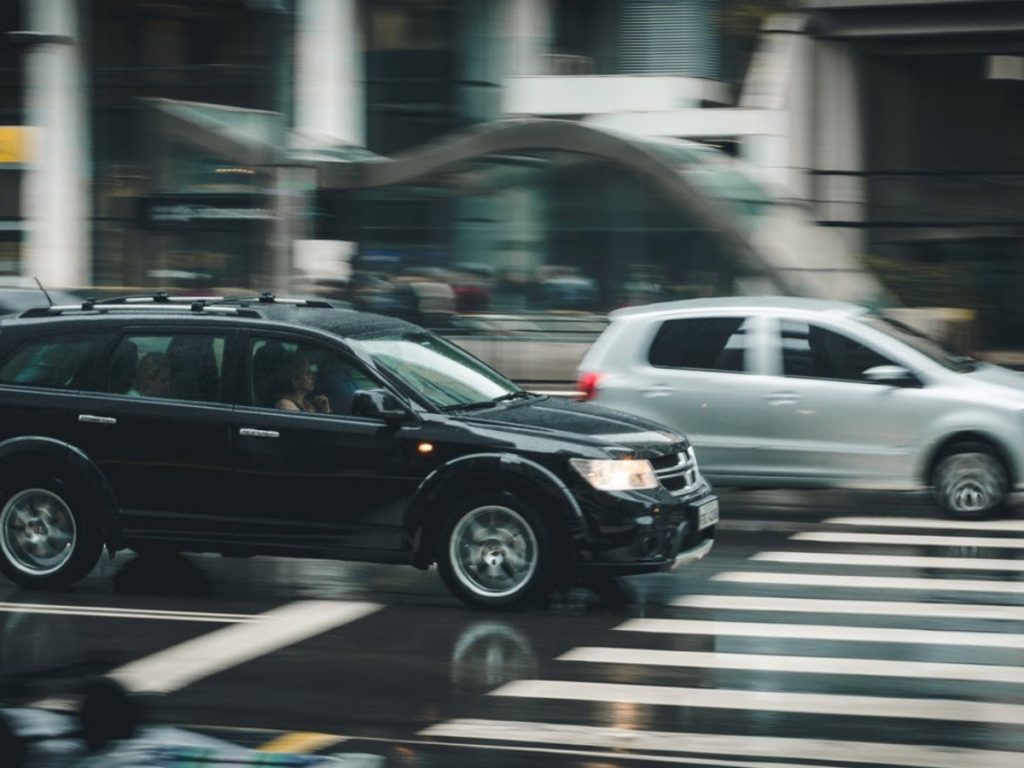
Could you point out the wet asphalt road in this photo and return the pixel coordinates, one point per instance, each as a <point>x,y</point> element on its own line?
<point>912,654</point>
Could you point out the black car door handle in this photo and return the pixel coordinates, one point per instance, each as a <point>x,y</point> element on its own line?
<point>88,418</point>
<point>247,432</point>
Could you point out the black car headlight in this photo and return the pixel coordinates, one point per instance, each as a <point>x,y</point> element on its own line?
<point>617,474</point>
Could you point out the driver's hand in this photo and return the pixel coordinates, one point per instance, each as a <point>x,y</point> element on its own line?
<point>322,404</point>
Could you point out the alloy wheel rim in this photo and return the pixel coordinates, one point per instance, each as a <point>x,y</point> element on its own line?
<point>37,531</point>
<point>493,551</point>
<point>972,483</point>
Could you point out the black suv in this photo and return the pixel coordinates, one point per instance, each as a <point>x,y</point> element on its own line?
<point>269,426</point>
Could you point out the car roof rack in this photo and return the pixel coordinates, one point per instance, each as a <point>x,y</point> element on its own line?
<point>243,306</point>
<point>158,297</point>
<point>196,306</point>
<point>269,298</point>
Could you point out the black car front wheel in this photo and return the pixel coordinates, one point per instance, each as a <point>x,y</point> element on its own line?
<point>46,540</point>
<point>495,552</point>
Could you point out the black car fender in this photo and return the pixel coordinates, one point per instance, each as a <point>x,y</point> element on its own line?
<point>422,521</point>
<point>20,454</point>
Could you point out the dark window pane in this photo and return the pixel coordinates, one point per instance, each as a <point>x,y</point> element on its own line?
<point>181,367</point>
<point>51,363</point>
<point>299,377</point>
<point>709,343</point>
<point>814,352</point>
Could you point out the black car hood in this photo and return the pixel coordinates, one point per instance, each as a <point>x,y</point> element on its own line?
<point>591,423</point>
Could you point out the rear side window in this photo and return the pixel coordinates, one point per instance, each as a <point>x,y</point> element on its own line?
<point>51,363</point>
<point>704,343</point>
<point>186,366</point>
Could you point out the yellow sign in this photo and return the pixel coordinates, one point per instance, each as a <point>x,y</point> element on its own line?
<point>14,144</point>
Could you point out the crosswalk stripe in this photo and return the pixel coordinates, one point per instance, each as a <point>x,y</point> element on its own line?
<point>823,632</point>
<point>923,522</point>
<point>981,673</point>
<point>892,561</point>
<point>865,607</point>
<point>869,582</point>
<point>96,611</point>
<point>601,737</point>
<point>768,701</point>
<point>841,537</point>
<point>180,665</point>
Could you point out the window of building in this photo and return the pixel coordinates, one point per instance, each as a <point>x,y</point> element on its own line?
<point>705,343</point>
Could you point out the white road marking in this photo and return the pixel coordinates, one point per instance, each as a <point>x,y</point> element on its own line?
<point>125,613</point>
<point>871,753</point>
<point>841,537</point>
<point>865,607</point>
<point>183,664</point>
<point>824,632</point>
<point>768,701</point>
<point>893,561</point>
<point>868,582</point>
<point>982,673</point>
<point>937,523</point>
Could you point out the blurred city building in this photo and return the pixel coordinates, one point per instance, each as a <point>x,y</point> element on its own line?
<point>515,167</point>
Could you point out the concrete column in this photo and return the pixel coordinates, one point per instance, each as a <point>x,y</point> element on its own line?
<point>500,38</point>
<point>330,106</point>
<point>55,187</point>
<point>527,28</point>
<point>838,119</point>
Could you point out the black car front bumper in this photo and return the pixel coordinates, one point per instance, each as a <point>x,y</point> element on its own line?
<point>646,535</point>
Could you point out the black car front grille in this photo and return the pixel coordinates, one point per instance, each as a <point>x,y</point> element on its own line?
<point>677,472</point>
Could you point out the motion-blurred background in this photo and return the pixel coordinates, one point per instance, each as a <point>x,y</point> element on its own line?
<point>508,171</point>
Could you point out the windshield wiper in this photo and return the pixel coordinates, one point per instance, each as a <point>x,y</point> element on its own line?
<point>517,395</point>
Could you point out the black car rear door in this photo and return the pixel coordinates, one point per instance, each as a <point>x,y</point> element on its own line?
<point>166,454</point>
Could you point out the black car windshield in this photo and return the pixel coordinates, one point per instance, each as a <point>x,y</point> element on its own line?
<point>954,361</point>
<point>438,370</point>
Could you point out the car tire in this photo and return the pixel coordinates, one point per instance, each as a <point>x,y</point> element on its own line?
<point>48,535</point>
<point>495,552</point>
<point>970,481</point>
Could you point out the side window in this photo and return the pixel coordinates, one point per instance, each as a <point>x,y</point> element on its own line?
<point>290,376</point>
<point>186,366</point>
<point>818,353</point>
<point>706,343</point>
<point>51,363</point>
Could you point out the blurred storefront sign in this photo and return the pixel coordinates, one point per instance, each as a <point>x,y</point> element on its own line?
<point>15,144</point>
<point>177,211</point>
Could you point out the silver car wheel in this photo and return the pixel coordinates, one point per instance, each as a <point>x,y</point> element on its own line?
<point>970,483</point>
<point>493,551</point>
<point>37,532</point>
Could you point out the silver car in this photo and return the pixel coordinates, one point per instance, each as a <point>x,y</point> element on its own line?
<point>784,392</point>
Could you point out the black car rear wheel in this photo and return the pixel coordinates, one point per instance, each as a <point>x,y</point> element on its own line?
<point>495,551</point>
<point>46,538</point>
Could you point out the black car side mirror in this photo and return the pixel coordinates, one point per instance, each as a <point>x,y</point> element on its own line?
<point>379,404</point>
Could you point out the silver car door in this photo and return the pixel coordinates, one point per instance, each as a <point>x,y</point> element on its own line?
<point>701,375</point>
<point>831,426</point>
